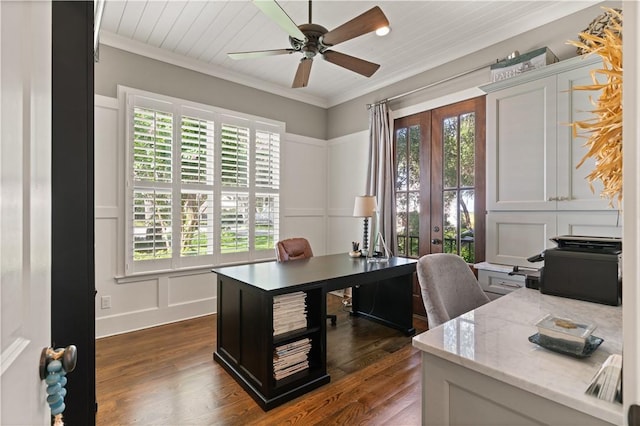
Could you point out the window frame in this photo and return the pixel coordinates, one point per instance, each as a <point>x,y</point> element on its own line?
<point>132,98</point>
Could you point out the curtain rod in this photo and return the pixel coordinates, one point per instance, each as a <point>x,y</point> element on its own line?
<point>444,80</point>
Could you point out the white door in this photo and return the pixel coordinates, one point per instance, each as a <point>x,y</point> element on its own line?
<point>25,208</point>
<point>631,232</point>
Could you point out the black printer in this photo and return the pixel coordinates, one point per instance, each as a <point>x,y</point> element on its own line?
<point>584,268</point>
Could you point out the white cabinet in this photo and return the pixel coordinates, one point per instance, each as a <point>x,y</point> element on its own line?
<point>454,394</point>
<point>512,237</point>
<point>573,190</point>
<point>531,152</point>
<point>521,146</point>
<point>497,283</point>
<point>534,190</point>
<point>480,368</point>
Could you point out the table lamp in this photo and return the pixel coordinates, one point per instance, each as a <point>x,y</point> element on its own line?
<point>365,207</point>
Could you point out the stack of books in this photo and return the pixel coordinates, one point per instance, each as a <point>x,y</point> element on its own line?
<point>289,312</point>
<point>291,358</point>
<point>607,383</point>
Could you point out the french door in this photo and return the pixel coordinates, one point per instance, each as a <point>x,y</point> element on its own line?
<point>440,183</point>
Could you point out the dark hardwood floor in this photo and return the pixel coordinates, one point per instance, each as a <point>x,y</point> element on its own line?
<point>166,376</point>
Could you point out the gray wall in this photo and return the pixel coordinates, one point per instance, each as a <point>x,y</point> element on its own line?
<point>120,67</point>
<point>351,117</point>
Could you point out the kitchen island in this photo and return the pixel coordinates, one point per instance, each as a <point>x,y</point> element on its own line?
<point>481,369</point>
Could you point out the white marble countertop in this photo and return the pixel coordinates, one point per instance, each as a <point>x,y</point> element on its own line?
<point>493,340</point>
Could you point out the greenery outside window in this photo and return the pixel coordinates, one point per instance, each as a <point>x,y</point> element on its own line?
<point>202,184</point>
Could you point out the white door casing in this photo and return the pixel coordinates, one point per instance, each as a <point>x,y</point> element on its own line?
<point>631,211</point>
<point>25,208</point>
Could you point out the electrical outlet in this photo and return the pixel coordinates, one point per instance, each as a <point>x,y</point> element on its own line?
<point>105,302</point>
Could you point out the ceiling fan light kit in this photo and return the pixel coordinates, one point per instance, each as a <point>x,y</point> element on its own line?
<point>313,39</point>
<point>383,31</point>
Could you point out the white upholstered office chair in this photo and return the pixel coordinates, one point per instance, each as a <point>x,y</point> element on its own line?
<point>294,249</point>
<point>449,288</point>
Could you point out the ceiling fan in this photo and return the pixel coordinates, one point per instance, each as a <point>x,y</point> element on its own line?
<point>313,39</point>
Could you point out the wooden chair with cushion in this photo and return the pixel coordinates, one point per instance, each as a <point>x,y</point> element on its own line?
<point>449,288</point>
<point>295,249</point>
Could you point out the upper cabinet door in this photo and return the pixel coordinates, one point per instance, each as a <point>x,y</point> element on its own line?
<point>521,146</point>
<point>516,236</point>
<point>574,191</point>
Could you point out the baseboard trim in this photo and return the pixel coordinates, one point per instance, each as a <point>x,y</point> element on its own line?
<point>133,321</point>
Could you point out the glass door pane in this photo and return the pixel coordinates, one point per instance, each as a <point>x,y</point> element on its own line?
<point>467,225</point>
<point>458,180</point>
<point>407,142</point>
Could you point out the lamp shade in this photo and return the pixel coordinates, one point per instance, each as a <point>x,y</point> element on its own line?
<point>365,206</point>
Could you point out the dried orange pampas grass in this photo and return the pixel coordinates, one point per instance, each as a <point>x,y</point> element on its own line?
<point>605,131</point>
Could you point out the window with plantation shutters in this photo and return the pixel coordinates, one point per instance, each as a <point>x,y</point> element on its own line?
<point>250,169</point>
<point>202,184</point>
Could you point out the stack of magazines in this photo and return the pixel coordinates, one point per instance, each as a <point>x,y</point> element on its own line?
<point>289,312</point>
<point>291,358</point>
<point>607,383</point>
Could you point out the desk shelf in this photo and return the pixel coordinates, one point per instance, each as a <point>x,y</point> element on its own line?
<point>294,335</point>
<point>309,338</point>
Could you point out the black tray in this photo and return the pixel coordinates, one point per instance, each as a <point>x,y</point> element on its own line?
<point>553,345</point>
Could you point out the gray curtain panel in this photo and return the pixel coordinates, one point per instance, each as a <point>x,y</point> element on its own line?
<point>381,173</point>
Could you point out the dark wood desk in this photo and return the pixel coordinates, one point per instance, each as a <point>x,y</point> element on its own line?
<point>245,341</point>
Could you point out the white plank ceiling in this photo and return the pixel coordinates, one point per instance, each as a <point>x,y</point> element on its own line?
<point>425,34</point>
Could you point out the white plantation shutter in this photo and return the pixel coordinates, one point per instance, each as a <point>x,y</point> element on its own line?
<point>267,221</point>
<point>235,156</point>
<point>153,138</point>
<point>197,150</point>
<point>267,160</point>
<point>267,183</point>
<point>235,222</point>
<point>235,196</point>
<point>197,177</point>
<point>152,179</point>
<point>197,223</point>
<point>152,217</point>
<point>203,184</point>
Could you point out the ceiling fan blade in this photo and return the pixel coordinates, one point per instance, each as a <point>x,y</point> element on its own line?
<point>259,53</point>
<point>272,9</point>
<point>352,63</point>
<point>302,75</point>
<point>369,21</point>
